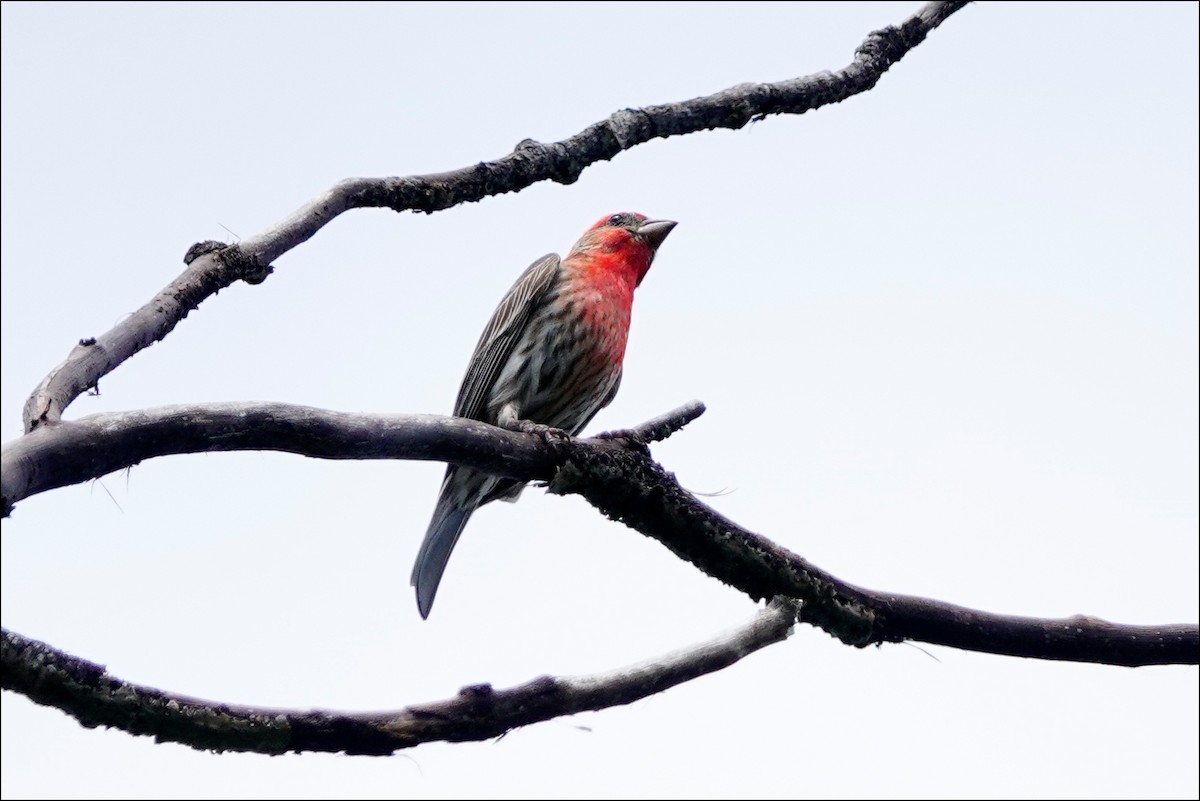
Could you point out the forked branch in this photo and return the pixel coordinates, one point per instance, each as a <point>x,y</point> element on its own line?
<point>614,472</point>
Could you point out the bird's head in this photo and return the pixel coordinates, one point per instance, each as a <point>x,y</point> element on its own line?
<point>626,240</point>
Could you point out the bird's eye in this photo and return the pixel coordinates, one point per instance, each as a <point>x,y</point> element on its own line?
<point>616,219</point>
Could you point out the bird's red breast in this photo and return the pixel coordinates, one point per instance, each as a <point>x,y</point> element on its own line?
<point>600,275</point>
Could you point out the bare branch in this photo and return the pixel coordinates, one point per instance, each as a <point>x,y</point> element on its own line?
<point>210,269</point>
<point>627,485</point>
<point>614,472</point>
<point>617,476</point>
<point>94,446</point>
<point>86,691</point>
<point>213,267</point>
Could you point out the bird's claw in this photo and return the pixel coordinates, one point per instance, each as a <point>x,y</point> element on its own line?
<point>549,434</point>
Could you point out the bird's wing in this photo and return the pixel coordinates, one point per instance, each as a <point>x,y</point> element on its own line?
<point>501,334</point>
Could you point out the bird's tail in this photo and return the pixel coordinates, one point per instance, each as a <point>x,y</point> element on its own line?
<point>453,510</point>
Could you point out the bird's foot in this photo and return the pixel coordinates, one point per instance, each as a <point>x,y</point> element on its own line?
<point>548,433</point>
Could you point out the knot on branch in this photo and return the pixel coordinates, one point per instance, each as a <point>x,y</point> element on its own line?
<point>201,248</point>
<point>631,126</point>
<point>245,266</point>
<point>886,46</point>
<point>241,265</point>
<point>564,167</point>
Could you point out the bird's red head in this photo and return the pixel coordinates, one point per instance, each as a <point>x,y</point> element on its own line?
<point>625,241</point>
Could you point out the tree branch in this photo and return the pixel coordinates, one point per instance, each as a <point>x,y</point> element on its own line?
<point>627,485</point>
<point>74,451</point>
<point>87,692</point>
<point>616,474</point>
<point>213,266</point>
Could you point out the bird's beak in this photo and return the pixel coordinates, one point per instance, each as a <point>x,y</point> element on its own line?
<point>654,232</point>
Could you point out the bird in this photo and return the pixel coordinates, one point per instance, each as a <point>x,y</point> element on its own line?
<point>548,360</point>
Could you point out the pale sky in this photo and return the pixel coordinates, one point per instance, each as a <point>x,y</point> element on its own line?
<point>946,332</point>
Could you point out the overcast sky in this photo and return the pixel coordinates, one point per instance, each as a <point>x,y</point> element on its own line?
<point>946,332</point>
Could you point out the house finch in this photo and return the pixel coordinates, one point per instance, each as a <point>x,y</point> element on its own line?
<point>548,360</point>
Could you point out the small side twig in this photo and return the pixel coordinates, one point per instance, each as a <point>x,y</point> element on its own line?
<point>659,428</point>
